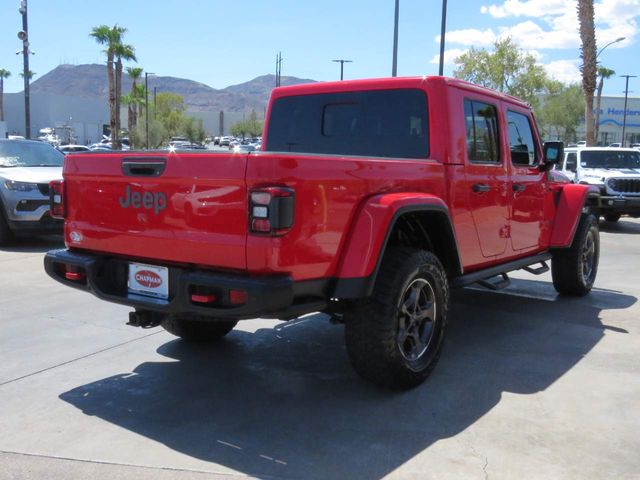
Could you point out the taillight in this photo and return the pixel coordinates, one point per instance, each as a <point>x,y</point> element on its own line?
<point>56,199</point>
<point>271,210</point>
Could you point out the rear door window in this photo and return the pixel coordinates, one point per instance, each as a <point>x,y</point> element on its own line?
<point>482,132</point>
<point>380,123</point>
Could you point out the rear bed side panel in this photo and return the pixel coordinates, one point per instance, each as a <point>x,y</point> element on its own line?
<point>329,191</point>
<point>203,223</point>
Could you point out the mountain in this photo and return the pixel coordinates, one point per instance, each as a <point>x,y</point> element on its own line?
<point>90,81</point>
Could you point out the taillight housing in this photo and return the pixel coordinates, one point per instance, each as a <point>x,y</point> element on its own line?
<point>57,201</point>
<point>271,210</point>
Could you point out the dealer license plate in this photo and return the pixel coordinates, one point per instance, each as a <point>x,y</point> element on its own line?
<point>149,280</point>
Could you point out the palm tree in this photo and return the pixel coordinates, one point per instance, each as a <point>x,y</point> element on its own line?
<point>3,74</point>
<point>134,73</point>
<point>603,73</point>
<point>589,64</point>
<point>110,36</point>
<point>126,52</point>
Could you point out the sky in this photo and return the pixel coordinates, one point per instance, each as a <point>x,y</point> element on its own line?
<point>222,43</point>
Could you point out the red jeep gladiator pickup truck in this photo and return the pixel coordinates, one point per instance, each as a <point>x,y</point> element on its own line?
<point>369,200</point>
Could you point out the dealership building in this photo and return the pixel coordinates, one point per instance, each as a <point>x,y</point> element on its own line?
<point>88,118</point>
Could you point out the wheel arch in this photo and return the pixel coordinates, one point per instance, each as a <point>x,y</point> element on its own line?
<point>415,220</point>
<point>572,199</point>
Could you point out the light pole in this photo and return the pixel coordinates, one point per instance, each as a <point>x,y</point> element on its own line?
<point>342,62</point>
<point>626,93</point>
<point>610,43</point>
<point>443,28</point>
<point>146,106</point>
<point>394,66</point>
<point>24,36</point>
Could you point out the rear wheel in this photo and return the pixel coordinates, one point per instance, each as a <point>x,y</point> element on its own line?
<point>197,331</point>
<point>574,269</point>
<point>394,338</point>
<point>612,217</point>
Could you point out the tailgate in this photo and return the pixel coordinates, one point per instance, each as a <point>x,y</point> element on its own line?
<point>173,207</point>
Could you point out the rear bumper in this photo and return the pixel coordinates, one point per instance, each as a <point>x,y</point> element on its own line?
<point>106,278</point>
<point>622,205</point>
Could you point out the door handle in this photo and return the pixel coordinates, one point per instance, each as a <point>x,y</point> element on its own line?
<point>518,187</point>
<point>481,187</point>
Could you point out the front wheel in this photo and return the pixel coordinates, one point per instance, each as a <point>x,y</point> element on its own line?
<point>394,338</point>
<point>612,217</point>
<point>197,331</point>
<point>574,269</point>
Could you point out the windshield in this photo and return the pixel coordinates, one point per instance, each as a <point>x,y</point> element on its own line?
<point>612,159</point>
<point>29,154</point>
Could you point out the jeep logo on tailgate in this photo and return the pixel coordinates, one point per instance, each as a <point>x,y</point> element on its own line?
<point>156,201</point>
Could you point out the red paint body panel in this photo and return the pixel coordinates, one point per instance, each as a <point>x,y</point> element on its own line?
<point>571,200</point>
<point>204,222</point>
<point>343,204</point>
<point>369,232</point>
<point>329,192</point>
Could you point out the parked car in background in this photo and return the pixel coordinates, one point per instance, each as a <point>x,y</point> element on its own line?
<point>73,149</point>
<point>614,171</point>
<point>615,145</point>
<point>26,168</point>
<point>636,146</point>
<point>243,148</point>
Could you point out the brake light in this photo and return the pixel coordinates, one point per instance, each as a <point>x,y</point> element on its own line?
<point>56,199</point>
<point>271,210</point>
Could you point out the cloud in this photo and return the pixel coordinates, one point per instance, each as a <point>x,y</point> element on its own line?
<point>449,56</point>
<point>553,24</point>
<point>530,8</point>
<point>471,37</point>
<point>566,71</point>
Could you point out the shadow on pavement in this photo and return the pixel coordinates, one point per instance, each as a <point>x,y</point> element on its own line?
<point>33,244</point>
<point>621,226</point>
<point>284,402</point>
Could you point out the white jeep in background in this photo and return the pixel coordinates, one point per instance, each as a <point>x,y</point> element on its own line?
<point>615,171</point>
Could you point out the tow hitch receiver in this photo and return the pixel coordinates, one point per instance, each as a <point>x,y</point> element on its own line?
<point>144,319</point>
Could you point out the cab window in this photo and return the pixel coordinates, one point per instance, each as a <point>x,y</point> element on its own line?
<point>482,132</point>
<point>521,140</point>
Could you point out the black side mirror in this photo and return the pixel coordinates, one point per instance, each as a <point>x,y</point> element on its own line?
<point>553,154</point>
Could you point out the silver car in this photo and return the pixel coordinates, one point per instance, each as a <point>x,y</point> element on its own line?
<point>26,168</point>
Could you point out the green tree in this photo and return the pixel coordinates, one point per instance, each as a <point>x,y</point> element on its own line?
<point>506,69</point>
<point>603,73</point>
<point>561,111</point>
<point>167,119</point>
<point>251,127</point>
<point>132,100</point>
<point>30,73</point>
<point>3,74</point>
<point>589,64</point>
<point>110,36</point>
<point>126,52</point>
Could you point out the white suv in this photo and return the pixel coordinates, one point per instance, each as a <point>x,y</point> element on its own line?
<point>615,171</point>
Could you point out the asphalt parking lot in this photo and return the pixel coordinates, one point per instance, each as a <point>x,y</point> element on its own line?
<point>530,385</point>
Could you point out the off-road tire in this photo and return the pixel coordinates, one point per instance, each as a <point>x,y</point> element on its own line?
<point>6,235</point>
<point>374,328</point>
<point>612,217</point>
<point>574,269</point>
<point>197,331</point>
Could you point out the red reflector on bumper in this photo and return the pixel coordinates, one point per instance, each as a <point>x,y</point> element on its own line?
<point>75,276</point>
<point>238,297</point>
<point>203,298</point>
